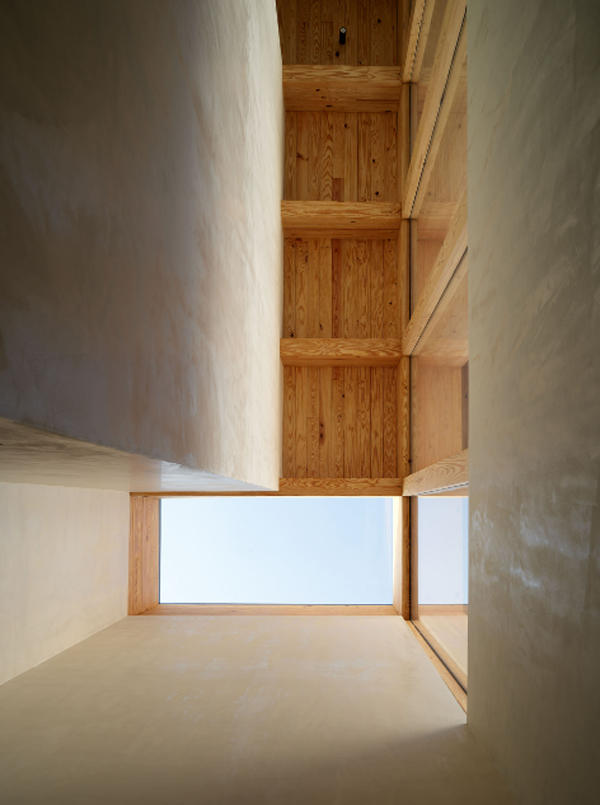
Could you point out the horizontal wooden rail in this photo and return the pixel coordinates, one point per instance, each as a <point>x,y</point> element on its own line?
<point>267,609</point>
<point>315,487</point>
<point>340,219</point>
<point>340,351</point>
<point>341,88</point>
<point>445,78</point>
<point>449,473</point>
<point>450,256</point>
<point>374,487</point>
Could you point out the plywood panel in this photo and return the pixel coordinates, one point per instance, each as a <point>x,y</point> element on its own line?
<point>436,413</point>
<point>360,149</point>
<point>345,422</point>
<point>309,31</point>
<point>341,288</point>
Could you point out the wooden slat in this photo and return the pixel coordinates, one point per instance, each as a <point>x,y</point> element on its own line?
<point>377,422</point>
<point>290,191</point>
<point>318,219</point>
<point>445,79</point>
<point>337,410</point>
<point>449,257</point>
<point>212,610</point>
<point>420,23</point>
<point>390,423</point>
<point>143,554</point>
<point>313,423</point>
<point>363,421</point>
<point>390,289</point>
<point>341,88</point>
<point>289,420</point>
<point>340,351</point>
<point>326,157</point>
<point>377,288</point>
<point>351,156</point>
<point>326,425</point>
<point>374,487</point>
<point>301,288</point>
<point>351,458</point>
<point>449,473</point>
<point>289,287</point>
<point>302,402</point>
<point>325,329</point>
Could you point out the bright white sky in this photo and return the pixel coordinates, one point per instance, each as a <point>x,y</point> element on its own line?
<point>443,550</point>
<point>276,550</point>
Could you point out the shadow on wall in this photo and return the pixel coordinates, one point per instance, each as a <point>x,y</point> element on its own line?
<point>140,184</point>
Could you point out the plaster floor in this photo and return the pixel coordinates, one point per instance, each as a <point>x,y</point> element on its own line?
<point>262,709</point>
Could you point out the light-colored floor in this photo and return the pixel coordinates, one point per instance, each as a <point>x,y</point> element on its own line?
<point>267,709</point>
<point>451,631</point>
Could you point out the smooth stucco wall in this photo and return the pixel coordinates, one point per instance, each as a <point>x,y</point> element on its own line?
<point>247,710</point>
<point>63,569</point>
<point>141,173</point>
<point>534,293</point>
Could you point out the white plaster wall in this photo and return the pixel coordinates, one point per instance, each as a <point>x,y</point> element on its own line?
<point>63,569</point>
<point>141,173</point>
<point>534,448</point>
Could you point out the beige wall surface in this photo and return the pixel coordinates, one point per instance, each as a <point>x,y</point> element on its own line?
<point>141,173</point>
<point>63,569</point>
<point>263,710</point>
<point>534,451</point>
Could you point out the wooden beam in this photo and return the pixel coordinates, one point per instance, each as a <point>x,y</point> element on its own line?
<point>315,487</point>
<point>340,351</point>
<point>420,23</point>
<point>447,262</point>
<point>340,219</point>
<point>211,610</point>
<point>374,487</point>
<point>445,78</point>
<point>449,473</point>
<point>341,88</point>
<point>143,554</point>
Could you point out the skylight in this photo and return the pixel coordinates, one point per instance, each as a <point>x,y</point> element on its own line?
<point>275,550</point>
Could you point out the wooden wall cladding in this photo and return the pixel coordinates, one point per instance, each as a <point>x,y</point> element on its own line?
<point>340,422</point>
<point>341,156</point>
<point>143,554</point>
<point>309,31</point>
<point>437,413</point>
<point>341,289</point>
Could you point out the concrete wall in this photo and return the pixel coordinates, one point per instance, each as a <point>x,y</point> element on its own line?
<point>63,569</point>
<point>534,289</point>
<point>141,172</point>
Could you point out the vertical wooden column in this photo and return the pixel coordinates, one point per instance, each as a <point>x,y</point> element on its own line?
<point>143,554</point>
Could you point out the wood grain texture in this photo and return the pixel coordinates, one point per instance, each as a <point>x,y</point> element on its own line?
<point>448,259</point>
<point>445,340</point>
<point>418,33</point>
<point>445,77</point>
<point>340,351</point>
<point>212,610</point>
<point>319,219</point>
<point>309,32</point>
<point>374,487</point>
<point>143,554</point>
<point>342,156</point>
<point>436,419</point>
<point>337,88</point>
<point>448,473</point>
